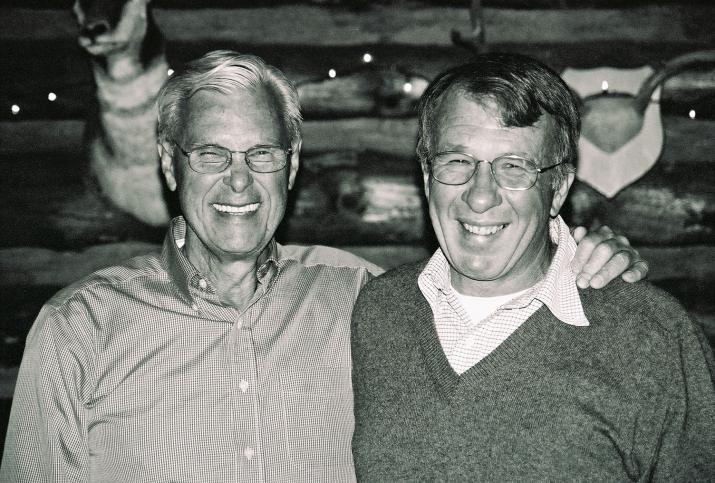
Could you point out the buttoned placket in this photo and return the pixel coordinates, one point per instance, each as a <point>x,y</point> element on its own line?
<point>245,384</point>
<point>243,375</point>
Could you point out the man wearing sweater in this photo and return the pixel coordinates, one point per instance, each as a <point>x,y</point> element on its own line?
<point>487,362</point>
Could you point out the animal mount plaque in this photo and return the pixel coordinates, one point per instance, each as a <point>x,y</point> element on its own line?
<point>610,157</point>
<point>621,130</point>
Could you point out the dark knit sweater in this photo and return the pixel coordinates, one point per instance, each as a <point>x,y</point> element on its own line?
<point>630,397</point>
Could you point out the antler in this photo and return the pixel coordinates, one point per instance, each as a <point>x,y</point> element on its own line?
<point>669,69</point>
<point>473,41</point>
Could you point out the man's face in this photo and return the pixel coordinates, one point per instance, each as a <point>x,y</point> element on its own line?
<point>496,240</point>
<point>235,213</point>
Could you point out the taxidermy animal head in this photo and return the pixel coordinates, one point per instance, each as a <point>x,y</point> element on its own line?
<point>118,29</point>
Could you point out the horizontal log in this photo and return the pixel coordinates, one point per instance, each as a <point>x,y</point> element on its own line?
<point>387,89</point>
<point>402,23</point>
<point>668,205</point>
<point>346,197</point>
<point>364,4</point>
<point>686,140</point>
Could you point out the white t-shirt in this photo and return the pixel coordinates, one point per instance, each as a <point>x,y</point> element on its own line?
<point>479,308</point>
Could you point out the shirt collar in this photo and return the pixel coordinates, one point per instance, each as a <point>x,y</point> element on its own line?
<point>188,279</point>
<point>557,289</point>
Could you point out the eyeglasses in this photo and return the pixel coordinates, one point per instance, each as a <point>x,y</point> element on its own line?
<point>214,159</point>
<point>510,172</point>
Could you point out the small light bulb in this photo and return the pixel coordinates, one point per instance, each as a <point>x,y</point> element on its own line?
<point>407,87</point>
<point>691,114</point>
<point>367,57</point>
<point>51,96</point>
<point>15,108</point>
<point>604,86</point>
<point>170,72</point>
<point>332,73</point>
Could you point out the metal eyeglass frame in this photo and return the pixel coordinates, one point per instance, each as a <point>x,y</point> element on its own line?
<point>288,151</point>
<point>538,171</point>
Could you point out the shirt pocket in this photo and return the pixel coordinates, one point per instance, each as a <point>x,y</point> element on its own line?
<point>318,411</point>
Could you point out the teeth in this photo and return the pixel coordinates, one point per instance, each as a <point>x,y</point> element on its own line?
<point>236,210</point>
<point>483,230</point>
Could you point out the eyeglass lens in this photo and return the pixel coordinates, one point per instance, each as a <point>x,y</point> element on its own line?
<point>509,172</point>
<point>214,159</point>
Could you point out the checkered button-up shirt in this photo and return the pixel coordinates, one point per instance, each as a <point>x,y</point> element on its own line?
<point>466,341</point>
<point>138,373</point>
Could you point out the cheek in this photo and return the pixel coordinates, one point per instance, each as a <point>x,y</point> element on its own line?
<point>441,198</point>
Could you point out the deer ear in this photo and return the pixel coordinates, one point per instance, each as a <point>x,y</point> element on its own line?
<point>166,154</point>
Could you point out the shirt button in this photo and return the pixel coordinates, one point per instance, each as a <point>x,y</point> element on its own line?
<point>248,453</point>
<point>243,385</point>
<point>194,307</point>
<point>203,284</point>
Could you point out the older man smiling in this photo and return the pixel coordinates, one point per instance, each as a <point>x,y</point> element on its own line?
<point>487,362</point>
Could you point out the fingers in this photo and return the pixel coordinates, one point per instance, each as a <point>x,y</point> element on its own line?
<point>603,266</point>
<point>607,261</point>
<point>587,243</point>
<point>637,271</point>
<point>602,256</point>
<point>578,233</point>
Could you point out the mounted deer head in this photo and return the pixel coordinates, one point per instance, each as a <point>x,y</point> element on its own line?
<point>120,35</point>
<point>129,67</point>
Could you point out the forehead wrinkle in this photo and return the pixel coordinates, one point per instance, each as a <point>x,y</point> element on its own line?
<point>266,128</point>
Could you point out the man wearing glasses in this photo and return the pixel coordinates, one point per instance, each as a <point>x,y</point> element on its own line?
<point>225,358</point>
<point>487,362</point>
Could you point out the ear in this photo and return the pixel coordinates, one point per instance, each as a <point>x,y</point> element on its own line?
<point>560,194</point>
<point>166,155</point>
<point>294,161</point>
<point>426,179</point>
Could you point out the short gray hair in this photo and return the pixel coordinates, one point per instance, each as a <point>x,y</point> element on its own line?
<point>523,90</point>
<point>226,71</point>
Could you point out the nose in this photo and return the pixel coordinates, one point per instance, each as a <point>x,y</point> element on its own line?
<point>95,28</point>
<point>482,191</point>
<point>238,177</point>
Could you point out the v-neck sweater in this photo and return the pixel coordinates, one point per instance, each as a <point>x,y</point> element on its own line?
<point>631,396</point>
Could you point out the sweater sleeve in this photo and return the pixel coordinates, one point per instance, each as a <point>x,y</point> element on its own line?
<point>687,452</point>
<point>47,431</point>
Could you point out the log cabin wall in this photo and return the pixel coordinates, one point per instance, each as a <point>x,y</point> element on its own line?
<point>359,67</point>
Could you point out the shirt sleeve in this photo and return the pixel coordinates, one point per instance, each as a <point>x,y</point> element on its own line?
<point>47,431</point>
<point>687,451</point>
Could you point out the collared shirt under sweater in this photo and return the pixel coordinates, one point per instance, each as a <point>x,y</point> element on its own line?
<point>466,342</point>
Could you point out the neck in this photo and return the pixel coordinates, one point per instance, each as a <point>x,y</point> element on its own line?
<point>235,280</point>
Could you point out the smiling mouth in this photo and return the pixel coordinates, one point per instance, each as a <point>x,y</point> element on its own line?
<point>483,230</point>
<point>236,210</point>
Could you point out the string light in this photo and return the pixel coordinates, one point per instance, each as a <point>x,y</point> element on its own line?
<point>332,73</point>
<point>15,109</point>
<point>691,114</point>
<point>170,72</point>
<point>604,86</point>
<point>51,97</point>
<point>367,57</point>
